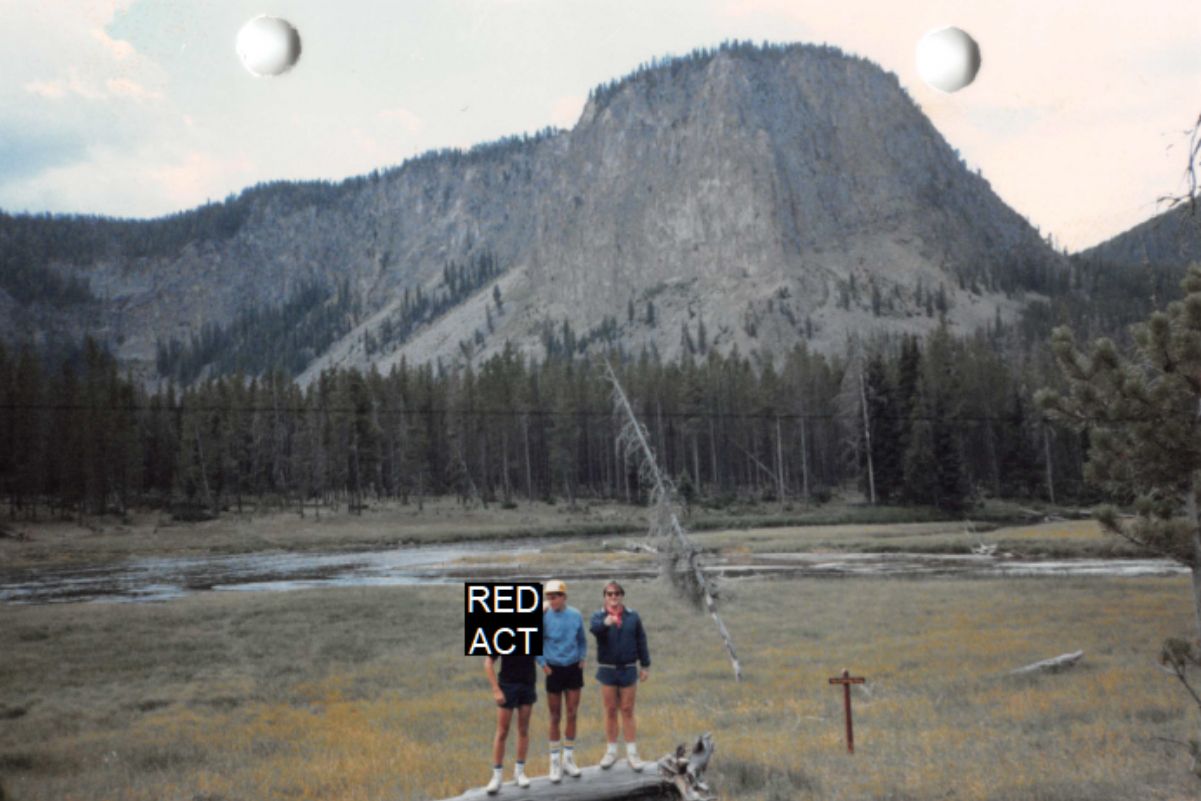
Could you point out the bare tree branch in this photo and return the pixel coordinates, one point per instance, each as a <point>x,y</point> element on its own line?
<point>679,555</point>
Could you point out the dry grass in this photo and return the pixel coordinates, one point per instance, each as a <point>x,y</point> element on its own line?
<point>365,694</point>
<point>382,526</point>
<point>1076,538</point>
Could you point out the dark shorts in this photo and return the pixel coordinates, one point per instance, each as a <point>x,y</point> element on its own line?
<point>618,677</point>
<point>564,677</point>
<point>518,695</point>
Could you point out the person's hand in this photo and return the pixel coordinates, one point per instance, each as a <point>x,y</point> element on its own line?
<point>610,620</point>
<point>583,662</point>
<point>499,695</point>
<point>546,669</point>
<point>643,674</point>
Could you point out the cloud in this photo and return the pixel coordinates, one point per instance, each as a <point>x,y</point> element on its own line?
<point>124,87</point>
<point>166,178</point>
<point>199,174</point>
<point>25,151</point>
<point>70,87</point>
<point>565,112</point>
<point>117,48</point>
<point>409,122</point>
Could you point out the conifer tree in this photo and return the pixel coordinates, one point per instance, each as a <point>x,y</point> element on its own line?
<point>1018,458</point>
<point>884,413</point>
<point>1143,415</point>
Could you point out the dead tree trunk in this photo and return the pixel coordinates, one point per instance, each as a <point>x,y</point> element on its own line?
<point>1047,457</point>
<point>1052,665</point>
<point>680,554</point>
<point>678,776</point>
<point>867,438</point>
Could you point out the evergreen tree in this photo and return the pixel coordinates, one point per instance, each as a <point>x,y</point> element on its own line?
<point>1143,414</point>
<point>1019,457</point>
<point>884,414</point>
<point>920,462</point>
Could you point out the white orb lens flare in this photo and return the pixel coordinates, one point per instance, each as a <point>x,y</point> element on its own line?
<point>268,46</point>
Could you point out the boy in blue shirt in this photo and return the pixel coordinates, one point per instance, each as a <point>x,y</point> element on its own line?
<point>564,651</point>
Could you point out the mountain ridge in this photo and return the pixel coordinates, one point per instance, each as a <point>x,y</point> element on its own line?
<point>772,195</point>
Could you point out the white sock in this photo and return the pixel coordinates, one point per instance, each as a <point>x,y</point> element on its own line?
<point>498,770</point>
<point>569,746</point>
<point>612,749</point>
<point>554,747</point>
<point>632,749</point>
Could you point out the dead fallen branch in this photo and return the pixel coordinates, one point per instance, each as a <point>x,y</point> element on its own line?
<point>1053,665</point>
<point>678,775</point>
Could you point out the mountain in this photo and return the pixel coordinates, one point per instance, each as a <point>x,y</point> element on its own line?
<point>746,196</point>
<point>1169,239</point>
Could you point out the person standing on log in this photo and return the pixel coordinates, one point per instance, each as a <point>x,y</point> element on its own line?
<point>620,648</point>
<point>564,650</point>
<point>516,688</point>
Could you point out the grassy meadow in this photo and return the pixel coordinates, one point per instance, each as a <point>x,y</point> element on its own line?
<point>363,693</point>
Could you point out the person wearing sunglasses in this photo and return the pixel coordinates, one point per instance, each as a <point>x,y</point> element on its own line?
<point>620,649</point>
<point>564,650</point>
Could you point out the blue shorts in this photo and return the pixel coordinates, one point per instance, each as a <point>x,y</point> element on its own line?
<point>518,695</point>
<point>618,676</point>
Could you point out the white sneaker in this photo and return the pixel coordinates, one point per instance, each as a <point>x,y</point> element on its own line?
<point>556,770</point>
<point>569,766</point>
<point>493,786</point>
<point>522,779</point>
<point>608,760</point>
<point>636,764</point>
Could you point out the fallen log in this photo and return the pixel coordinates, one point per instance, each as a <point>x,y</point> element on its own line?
<point>678,775</point>
<point>1053,665</point>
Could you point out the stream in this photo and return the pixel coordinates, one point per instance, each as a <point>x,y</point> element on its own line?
<point>167,578</point>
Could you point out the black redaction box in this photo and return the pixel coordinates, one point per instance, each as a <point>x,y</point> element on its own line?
<point>502,618</point>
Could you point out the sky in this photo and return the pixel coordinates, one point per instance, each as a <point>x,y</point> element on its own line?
<point>137,108</point>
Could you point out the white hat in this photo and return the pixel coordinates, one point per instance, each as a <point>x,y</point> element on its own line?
<point>554,585</point>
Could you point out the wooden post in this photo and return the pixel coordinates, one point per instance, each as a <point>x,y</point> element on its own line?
<point>846,680</point>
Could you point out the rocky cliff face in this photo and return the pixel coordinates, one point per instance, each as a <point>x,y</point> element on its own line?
<point>766,196</point>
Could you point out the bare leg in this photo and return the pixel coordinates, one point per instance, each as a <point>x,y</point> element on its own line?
<point>629,728</point>
<point>573,706</point>
<point>554,702</point>
<point>610,698</point>
<point>523,731</point>
<point>503,718</point>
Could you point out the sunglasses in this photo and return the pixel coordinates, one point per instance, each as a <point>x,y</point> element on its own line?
<point>618,594</point>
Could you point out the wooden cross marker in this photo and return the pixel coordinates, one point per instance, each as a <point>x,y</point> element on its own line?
<point>846,680</point>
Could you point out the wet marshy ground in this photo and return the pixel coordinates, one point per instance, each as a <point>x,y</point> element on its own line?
<point>166,578</point>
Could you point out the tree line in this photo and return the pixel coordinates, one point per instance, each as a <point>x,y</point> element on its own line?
<point>938,421</point>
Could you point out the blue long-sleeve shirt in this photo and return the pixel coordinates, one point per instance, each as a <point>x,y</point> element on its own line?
<point>563,639</point>
<point>620,645</point>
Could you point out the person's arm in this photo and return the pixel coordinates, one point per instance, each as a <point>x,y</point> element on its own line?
<point>644,653</point>
<point>541,658</point>
<point>599,625</point>
<point>581,640</point>
<point>490,671</point>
